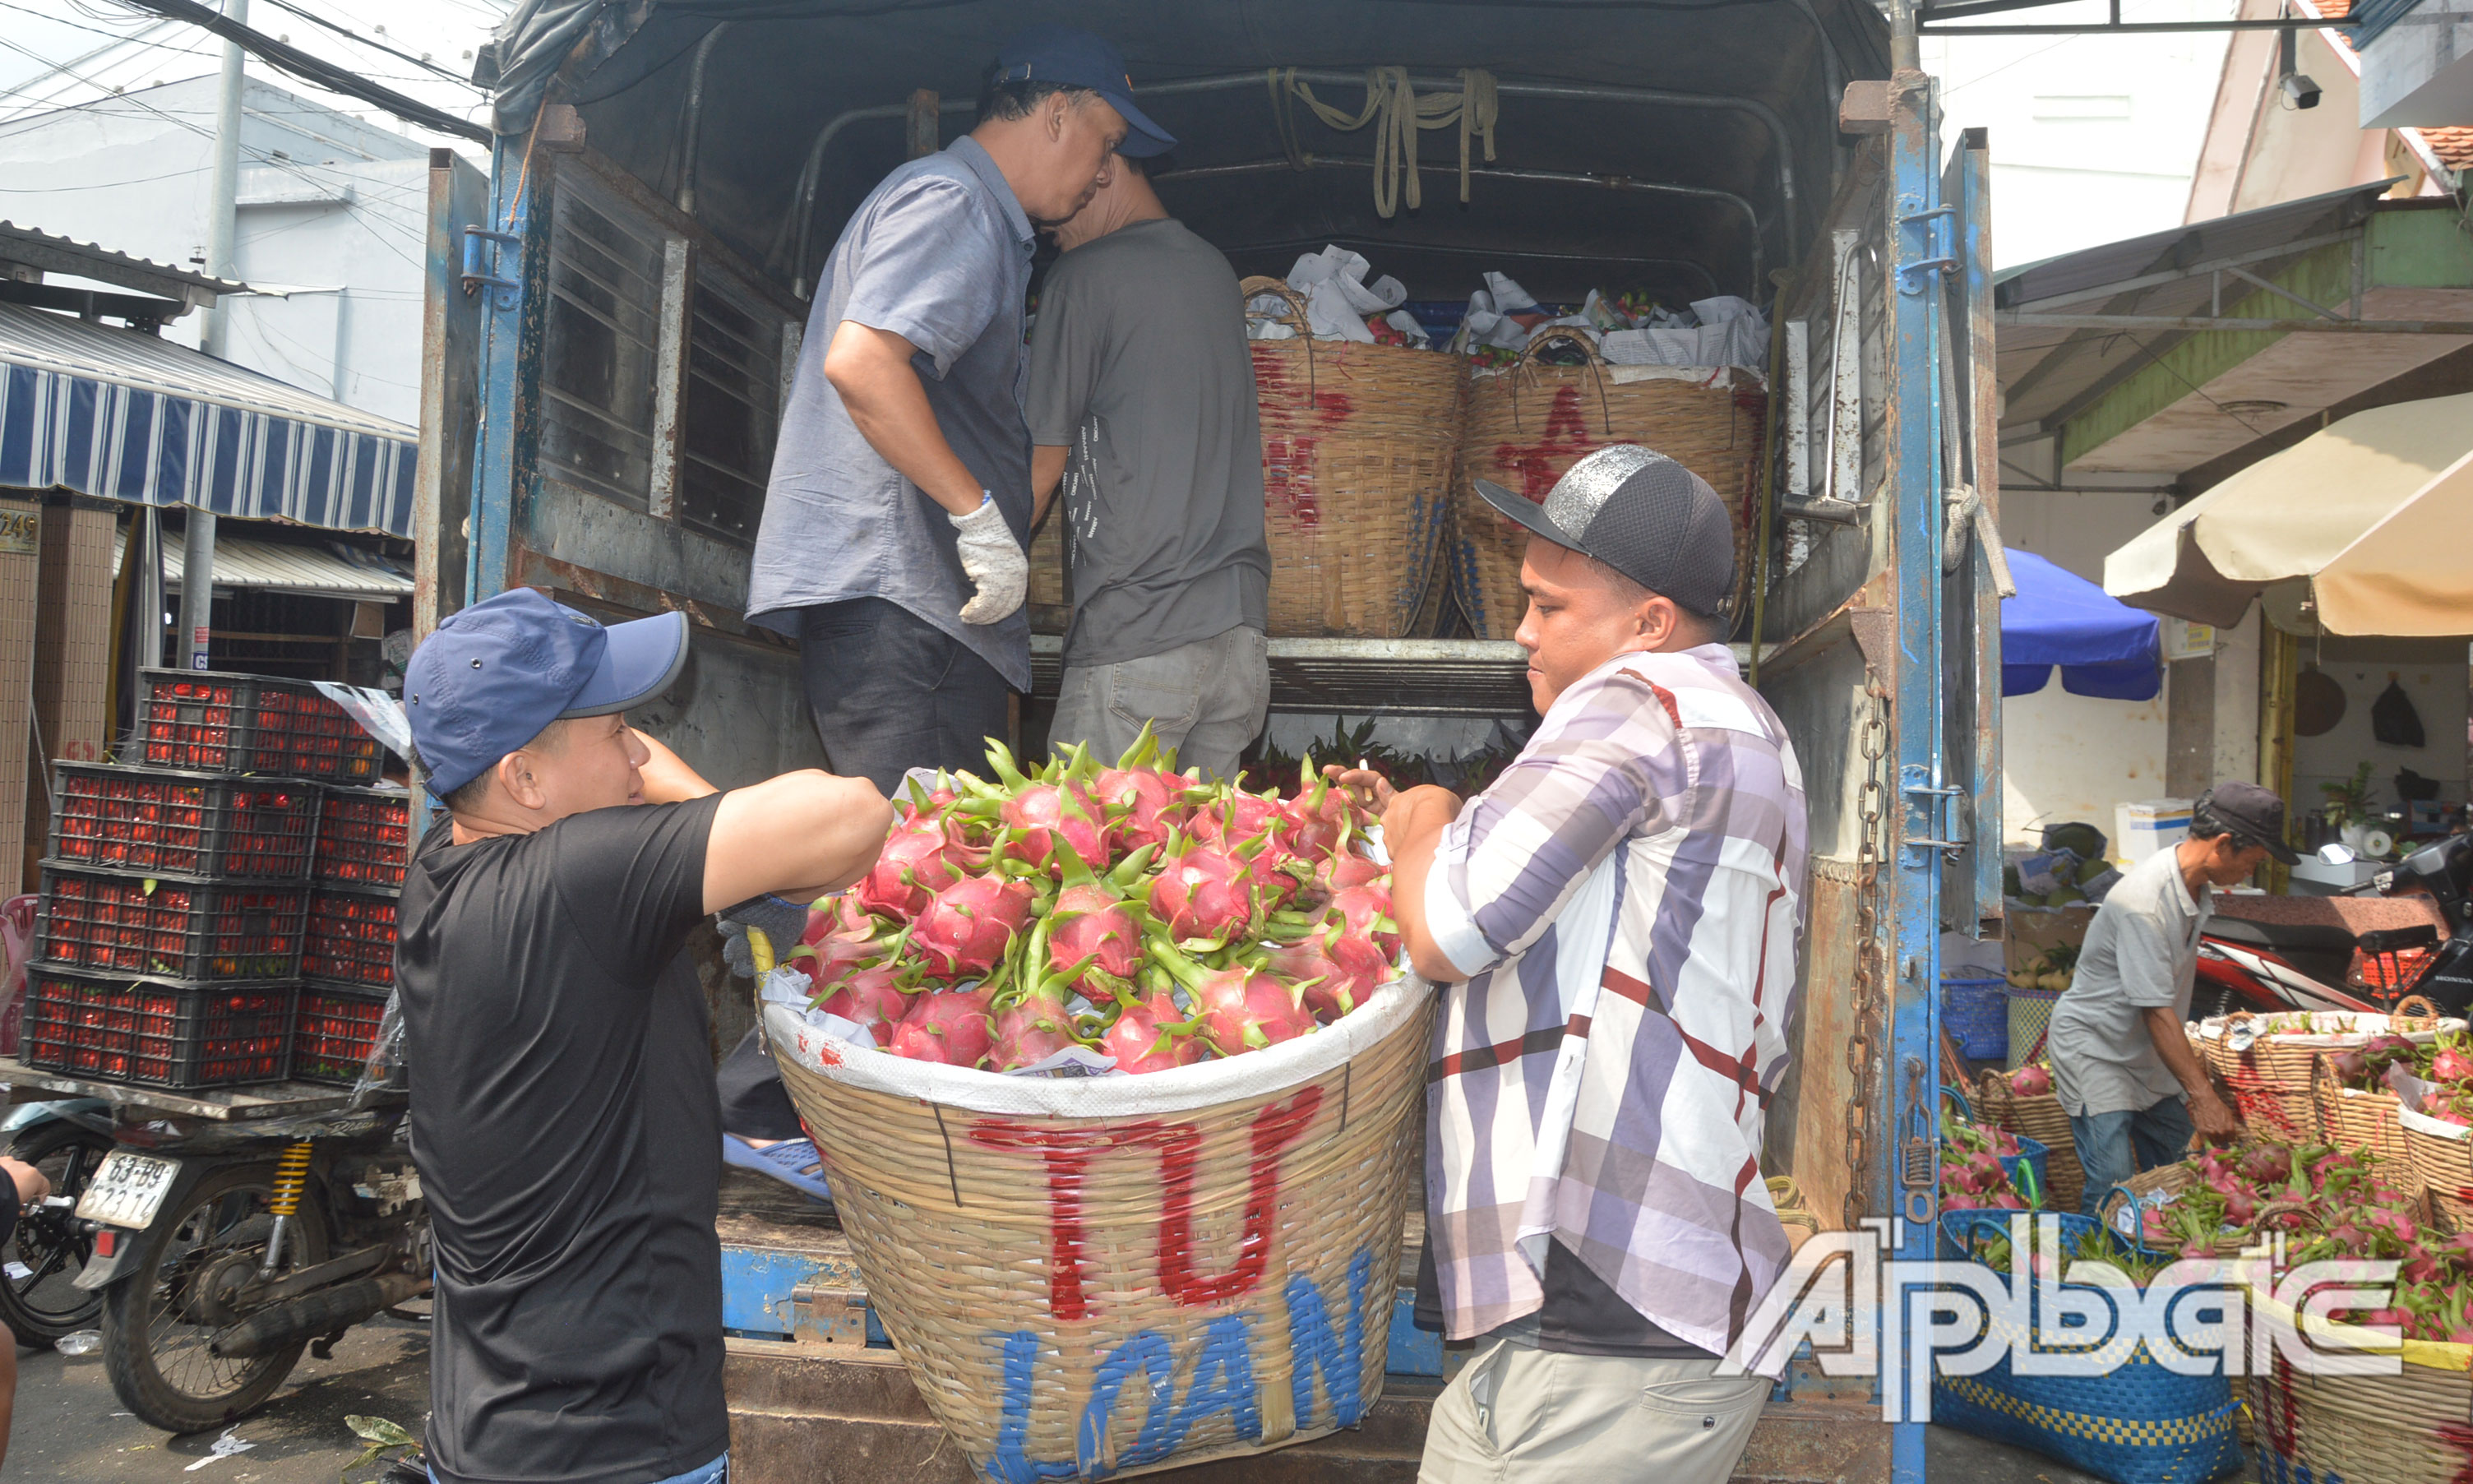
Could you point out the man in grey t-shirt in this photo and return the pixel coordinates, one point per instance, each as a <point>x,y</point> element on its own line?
<point>2121,1062</point>
<point>1141,407</point>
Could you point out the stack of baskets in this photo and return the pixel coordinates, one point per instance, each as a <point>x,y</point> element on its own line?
<point>174,917</point>
<point>1358,447</point>
<point>2037,1117</point>
<point>348,965</point>
<point>1529,423</point>
<point>2440,1157</point>
<point>2269,1065</point>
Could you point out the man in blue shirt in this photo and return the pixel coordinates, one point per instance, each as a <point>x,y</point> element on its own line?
<point>899,502</point>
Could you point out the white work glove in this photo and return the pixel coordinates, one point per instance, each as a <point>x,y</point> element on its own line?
<point>993,560</point>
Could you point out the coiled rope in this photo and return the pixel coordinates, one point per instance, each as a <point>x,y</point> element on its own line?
<point>1392,105</point>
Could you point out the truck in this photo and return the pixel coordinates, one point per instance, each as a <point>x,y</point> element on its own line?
<point>610,346</point>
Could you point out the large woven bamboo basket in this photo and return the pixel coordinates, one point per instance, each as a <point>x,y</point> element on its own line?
<point>1357,447</point>
<point>2402,1428</point>
<point>2270,1073</point>
<point>1097,1275</point>
<point>2352,1117</point>
<point>1529,423</point>
<point>2441,1154</point>
<point>2039,1118</point>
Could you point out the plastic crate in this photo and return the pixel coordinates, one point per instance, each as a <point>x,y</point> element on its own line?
<point>187,823</point>
<point>1975,1012</point>
<point>333,1031</point>
<point>351,937</point>
<point>361,836</point>
<point>180,928</point>
<point>222,722</point>
<point>165,1032</point>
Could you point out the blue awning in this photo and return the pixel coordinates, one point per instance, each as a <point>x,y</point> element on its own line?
<point>2105,647</point>
<point>124,415</point>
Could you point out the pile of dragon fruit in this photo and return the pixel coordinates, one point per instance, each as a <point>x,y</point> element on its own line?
<point>1972,1174</point>
<point>2443,1064</point>
<point>2331,1204</point>
<point>1145,915</point>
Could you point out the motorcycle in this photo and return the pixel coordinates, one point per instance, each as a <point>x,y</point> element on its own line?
<point>2268,968</point>
<point>66,1140</point>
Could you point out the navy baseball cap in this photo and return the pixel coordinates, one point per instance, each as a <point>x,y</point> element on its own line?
<point>493,675</point>
<point>1077,59</point>
<point>1642,514</point>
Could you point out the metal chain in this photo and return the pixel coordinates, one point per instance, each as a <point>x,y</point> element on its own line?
<point>1862,1047</point>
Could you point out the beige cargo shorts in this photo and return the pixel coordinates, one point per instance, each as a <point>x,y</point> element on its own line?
<point>1520,1415</point>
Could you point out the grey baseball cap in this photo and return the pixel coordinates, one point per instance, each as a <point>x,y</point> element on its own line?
<point>2254,814</point>
<point>1642,514</point>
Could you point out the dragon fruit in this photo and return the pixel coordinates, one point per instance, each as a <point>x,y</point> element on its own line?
<point>1237,816</point>
<point>950,1027</point>
<point>2030,1082</point>
<point>1239,1008</point>
<point>967,925</point>
<point>1030,1030</point>
<point>2267,1164</point>
<point>1145,798</point>
<point>1092,924</point>
<point>874,999</point>
<point>920,859</point>
<point>2452,1063</point>
<point>1055,804</point>
<point>1337,970</point>
<point>1367,911</point>
<point>1148,1035</point>
<point>1319,820</point>
<point>1204,894</point>
<point>1339,872</point>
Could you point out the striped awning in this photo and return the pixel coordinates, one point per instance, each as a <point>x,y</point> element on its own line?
<point>124,415</point>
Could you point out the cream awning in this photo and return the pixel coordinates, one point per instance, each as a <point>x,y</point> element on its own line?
<point>2411,574</point>
<point>2290,515</point>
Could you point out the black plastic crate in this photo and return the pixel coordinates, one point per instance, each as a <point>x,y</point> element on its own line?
<point>351,937</point>
<point>157,821</point>
<point>182,927</point>
<point>164,1032</point>
<point>334,1029</point>
<point>215,721</point>
<point>361,836</point>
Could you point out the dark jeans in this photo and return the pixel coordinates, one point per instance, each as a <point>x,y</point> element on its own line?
<point>891,692</point>
<point>2111,1147</point>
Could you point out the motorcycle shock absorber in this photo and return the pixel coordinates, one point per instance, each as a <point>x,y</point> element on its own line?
<point>291,1177</point>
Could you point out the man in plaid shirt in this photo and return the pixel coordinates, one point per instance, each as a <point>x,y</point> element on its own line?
<point>1614,926</point>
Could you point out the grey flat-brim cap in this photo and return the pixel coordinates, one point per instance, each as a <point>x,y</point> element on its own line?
<point>1640,513</point>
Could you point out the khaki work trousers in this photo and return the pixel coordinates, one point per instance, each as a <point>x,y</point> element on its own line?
<point>1519,1415</point>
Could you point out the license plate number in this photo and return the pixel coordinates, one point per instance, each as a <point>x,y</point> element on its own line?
<point>127,1188</point>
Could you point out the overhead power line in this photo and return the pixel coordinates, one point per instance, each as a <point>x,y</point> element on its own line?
<point>358,40</point>
<point>316,71</point>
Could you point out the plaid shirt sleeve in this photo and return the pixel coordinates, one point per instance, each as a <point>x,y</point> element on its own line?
<point>1602,768</point>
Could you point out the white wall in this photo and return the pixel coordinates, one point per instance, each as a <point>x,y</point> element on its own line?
<point>2073,758</point>
<point>2094,138</point>
<point>338,206</point>
<point>2438,692</point>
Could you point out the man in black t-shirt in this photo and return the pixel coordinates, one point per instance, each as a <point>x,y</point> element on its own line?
<point>565,1128</point>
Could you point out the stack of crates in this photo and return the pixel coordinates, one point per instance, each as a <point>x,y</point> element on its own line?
<point>178,890</point>
<point>348,963</point>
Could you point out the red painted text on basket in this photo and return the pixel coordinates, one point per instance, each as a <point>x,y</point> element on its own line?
<point>1565,438</point>
<point>1069,1155</point>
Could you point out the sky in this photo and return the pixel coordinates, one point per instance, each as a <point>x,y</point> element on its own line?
<point>57,53</point>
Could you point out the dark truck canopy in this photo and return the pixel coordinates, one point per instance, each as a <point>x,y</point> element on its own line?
<point>1636,143</point>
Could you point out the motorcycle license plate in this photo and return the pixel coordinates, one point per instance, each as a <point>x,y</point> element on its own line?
<point>127,1188</point>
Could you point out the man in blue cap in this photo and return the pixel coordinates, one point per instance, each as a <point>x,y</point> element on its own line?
<point>899,503</point>
<point>566,1128</point>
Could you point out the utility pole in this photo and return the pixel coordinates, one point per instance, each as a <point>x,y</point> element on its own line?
<point>198,536</point>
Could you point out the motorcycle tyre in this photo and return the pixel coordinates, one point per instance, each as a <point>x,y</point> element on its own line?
<point>129,1358</point>
<point>32,1326</point>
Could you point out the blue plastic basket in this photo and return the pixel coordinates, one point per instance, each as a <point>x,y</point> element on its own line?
<point>1976,1015</point>
<point>2032,1153</point>
<point>2141,1423</point>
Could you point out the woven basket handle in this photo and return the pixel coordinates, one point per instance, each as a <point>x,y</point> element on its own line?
<point>2409,1020</point>
<point>1561,335</point>
<point>1290,313</point>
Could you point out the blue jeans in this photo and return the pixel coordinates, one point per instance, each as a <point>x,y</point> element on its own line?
<point>716,1471</point>
<point>2113,1146</point>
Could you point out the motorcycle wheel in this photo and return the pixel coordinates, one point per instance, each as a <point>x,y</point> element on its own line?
<point>154,1347</point>
<point>48,1246</point>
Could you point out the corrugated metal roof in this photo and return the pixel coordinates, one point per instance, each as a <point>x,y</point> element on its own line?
<point>102,352</point>
<point>54,254</point>
<point>241,563</point>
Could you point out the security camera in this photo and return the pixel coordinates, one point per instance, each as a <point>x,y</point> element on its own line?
<point>2299,91</point>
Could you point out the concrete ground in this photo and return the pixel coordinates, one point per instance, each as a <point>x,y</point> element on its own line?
<point>69,1427</point>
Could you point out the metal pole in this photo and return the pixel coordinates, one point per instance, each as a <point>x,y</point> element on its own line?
<point>198,534</point>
